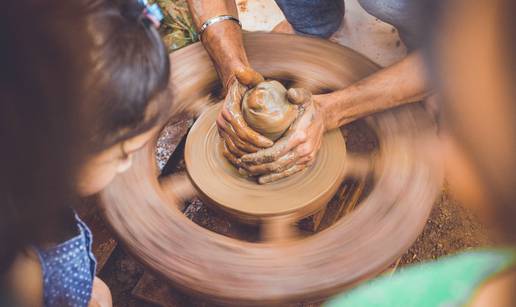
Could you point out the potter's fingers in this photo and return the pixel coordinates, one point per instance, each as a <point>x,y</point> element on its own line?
<point>244,172</point>
<point>307,152</point>
<point>308,159</point>
<point>270,154</point>
<point>233,99</point>
<point>228,155</point>
<point>178,188</point>
<point>280,148</point>
<point>266,155</point>
<point>230,145</point>
<point>303,123</point>
<point>311,145</point>
<point>313,155</point>
<point>224,125</point>
<point>237,90</point>
<point>299,96</point>
<point>244,132</point>
<point>249,76</point>
<point>278,166</point>
<point>248,148</point>
<point>232,112</point>
<point>277,176</point>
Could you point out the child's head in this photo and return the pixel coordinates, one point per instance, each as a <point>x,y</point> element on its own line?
<point>475,57</point>
<point>126,76</point>
<point>82,86</point>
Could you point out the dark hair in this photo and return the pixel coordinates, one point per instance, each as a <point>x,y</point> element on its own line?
<point>75,77</point>
<point>129,69</point>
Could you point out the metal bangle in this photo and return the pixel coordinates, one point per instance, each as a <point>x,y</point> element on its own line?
<point>216,19</point>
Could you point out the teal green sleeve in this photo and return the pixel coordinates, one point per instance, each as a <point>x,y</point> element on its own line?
<point>448,282</point>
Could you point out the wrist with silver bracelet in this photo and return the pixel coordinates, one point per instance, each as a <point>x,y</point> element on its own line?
<point>216,19</point>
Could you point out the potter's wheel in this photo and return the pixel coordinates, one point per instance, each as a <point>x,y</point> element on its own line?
<point>221,184</point>
<point>361,244</point>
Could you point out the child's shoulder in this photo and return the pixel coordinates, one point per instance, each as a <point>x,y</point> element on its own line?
<point>25,279</point>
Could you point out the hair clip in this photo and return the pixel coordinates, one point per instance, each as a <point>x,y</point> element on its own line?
<point>152,12</point>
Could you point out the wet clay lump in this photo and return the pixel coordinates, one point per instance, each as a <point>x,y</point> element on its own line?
<point>267,110</point>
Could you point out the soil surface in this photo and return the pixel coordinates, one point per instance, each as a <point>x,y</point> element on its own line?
<point>450,228</point>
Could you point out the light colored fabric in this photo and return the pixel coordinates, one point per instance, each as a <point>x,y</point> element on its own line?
<point>448,282</point>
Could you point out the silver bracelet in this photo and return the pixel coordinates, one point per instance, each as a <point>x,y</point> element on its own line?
<point>216,19</point>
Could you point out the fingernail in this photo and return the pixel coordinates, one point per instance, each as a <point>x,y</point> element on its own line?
<point>243,172</point>
<point>262,180</point>
<point>245,159</point>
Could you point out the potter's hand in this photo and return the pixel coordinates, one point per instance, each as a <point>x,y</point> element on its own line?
<point>296,149</point>
<point>223,42</point>
<point>238,137</point>
<point>223,39</point>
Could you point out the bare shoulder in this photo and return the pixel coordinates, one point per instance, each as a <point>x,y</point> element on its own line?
<point>497,292</point>
<point>26,279</point>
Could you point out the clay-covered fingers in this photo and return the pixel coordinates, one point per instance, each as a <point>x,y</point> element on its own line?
<point>279,149</point>
<point>232,114</point>
<point>307,152</point>
<point>225,127</point>
<point>292,153</point>
<point>304,153</point>
<point>230,145</point>
<point>292,162</point>
<point>277,176</point>
<point>280,165</point>
<point>297,134</point>
<point>248,76</point>
<point>229,155</point>
<point>299,96</point>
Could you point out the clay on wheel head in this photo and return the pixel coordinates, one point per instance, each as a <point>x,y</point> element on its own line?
<point>267,110</point>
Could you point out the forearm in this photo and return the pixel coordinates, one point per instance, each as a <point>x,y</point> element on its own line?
<point>222,40</point>
<point>401,83</point>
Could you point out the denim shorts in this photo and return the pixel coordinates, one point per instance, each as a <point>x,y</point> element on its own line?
<point>322,18</point>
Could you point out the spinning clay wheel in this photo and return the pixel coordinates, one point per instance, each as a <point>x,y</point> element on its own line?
<point>283,267</point>
<point>294,197</point>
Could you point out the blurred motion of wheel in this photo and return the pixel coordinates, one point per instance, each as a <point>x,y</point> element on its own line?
<point>283,267</point>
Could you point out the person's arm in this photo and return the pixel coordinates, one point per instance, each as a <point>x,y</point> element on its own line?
<point>401,83</point>
<point>223,41</point>
<point>100,294</point>
<point>25,279</point>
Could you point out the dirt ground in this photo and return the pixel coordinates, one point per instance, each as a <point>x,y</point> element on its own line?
<point>450,228</point>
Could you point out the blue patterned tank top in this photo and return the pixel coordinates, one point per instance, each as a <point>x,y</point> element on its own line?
<point>68,270</point>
